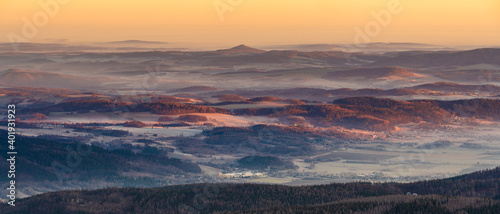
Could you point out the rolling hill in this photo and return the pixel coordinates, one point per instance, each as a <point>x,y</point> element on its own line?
<point>443,58</point>
<point>373,73</point>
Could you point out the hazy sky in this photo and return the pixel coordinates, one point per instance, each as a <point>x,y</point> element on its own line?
<point>254,22</point>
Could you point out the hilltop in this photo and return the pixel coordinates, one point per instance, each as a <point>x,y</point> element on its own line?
<point>241,49</point>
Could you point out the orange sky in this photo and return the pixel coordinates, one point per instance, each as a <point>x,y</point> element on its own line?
<point>256,22</point>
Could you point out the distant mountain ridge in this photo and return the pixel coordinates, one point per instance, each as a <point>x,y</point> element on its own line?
<point>136,42</point>
<point>31,78</point>
<point>444,58</point>
<point>377,47</point>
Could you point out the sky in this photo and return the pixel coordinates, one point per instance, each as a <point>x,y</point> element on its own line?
<point>252,22</point>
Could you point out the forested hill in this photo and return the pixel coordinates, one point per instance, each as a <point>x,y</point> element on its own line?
<point>47,161</point>
<point>473,193</point>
